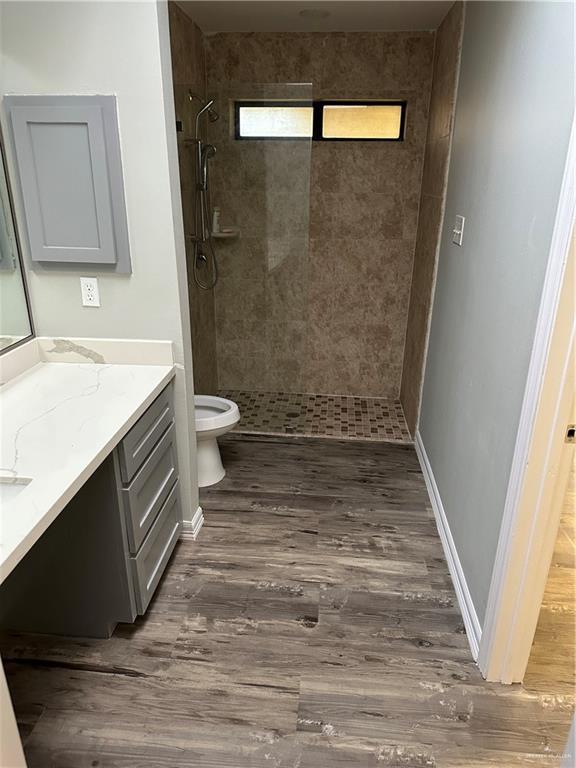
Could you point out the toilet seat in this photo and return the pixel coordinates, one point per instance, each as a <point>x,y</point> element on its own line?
<point>214,412</point>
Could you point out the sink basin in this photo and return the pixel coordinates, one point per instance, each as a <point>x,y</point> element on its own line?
<point>10,487</point>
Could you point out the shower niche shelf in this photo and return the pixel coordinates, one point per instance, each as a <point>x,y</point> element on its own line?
<point>227,233</point>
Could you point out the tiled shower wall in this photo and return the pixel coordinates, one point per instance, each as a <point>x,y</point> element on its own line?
<point>189,72</point>
<point>435,179</point>
<point>314,295</point>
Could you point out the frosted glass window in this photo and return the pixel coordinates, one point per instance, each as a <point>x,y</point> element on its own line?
<point>275,122</point>
<point>362,121</point>
<point>329,120</point>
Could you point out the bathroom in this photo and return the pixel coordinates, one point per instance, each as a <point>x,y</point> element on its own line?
<point>275,282</point>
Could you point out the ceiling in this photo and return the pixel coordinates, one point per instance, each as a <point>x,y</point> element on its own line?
<point>323,16</point>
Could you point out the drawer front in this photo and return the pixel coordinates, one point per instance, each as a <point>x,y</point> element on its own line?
<point>148,491</point>
<point>144,435</point>
<point>150,562</point>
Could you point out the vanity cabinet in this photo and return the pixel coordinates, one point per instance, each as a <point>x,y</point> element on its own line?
<point>101,560</point>
<point>146,475</point>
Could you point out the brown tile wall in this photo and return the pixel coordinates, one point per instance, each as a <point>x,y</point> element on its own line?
<point>434,181</point>
<point>189,71</point>
<point>314,295</point>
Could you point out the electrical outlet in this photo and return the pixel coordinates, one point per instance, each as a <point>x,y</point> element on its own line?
<point>458,230</point>
<point>90,292</point>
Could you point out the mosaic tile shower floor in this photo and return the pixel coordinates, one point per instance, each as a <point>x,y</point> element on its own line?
<point>353,418</point>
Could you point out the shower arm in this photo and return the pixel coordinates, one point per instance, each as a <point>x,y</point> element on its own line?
<point>199,114</point>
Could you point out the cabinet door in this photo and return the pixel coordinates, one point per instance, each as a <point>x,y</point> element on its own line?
<point>68,162</point>
<point>150,562</point>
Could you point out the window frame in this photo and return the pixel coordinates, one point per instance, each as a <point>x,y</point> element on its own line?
<point>317,106</point>
<point>239,103</point>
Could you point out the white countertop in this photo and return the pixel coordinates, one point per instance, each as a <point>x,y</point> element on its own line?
<point>58,422</point>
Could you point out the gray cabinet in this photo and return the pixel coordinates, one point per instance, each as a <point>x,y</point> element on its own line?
<point>144,497</point>
<point>149,563</point>
<point>101,560</point>
<point>144,435</point>
<point>149,496</point>
<point>67,155</point>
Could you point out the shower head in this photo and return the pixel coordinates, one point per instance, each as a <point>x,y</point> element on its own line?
<point>212,115</point>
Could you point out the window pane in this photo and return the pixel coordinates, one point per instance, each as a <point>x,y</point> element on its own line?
<point>361,121</point>
<point>275,122</point>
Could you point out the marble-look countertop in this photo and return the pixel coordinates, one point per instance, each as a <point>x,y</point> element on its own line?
<point>58,422</point>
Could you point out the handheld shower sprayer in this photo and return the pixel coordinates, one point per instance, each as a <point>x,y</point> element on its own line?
<point>207,151</point>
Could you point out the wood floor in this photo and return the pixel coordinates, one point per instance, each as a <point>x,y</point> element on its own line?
<point>313,625</point>
<point>553,653</point>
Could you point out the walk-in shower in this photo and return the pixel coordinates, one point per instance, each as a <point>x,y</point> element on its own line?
<point>327,217</point>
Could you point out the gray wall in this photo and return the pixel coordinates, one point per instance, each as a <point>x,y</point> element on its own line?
<point>513,117</point>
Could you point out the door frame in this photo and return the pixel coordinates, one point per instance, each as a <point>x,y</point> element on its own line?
<point>530,520</point>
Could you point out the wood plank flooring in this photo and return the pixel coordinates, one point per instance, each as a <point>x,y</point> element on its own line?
<point>312,625</point>
<point>554,649</point>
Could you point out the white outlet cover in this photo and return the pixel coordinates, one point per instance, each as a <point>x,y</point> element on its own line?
<point>458,230</point>
<point>90,292</point>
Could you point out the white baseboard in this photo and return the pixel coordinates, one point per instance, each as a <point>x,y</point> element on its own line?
<point>471,622</point>
<point>192,527</point>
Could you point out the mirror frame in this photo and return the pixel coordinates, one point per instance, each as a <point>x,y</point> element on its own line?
<point>32,334</point>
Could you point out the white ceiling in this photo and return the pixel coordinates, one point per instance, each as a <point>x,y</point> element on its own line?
<point>344,15</point>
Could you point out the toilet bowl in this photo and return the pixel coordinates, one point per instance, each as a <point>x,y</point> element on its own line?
<point>214,417</point>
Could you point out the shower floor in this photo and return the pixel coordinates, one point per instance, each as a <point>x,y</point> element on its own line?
<point>338,416</point>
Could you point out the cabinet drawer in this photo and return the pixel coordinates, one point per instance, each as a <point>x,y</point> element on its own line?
<point>148,491</point>
<point>144,435</point>
<point>148,565</point>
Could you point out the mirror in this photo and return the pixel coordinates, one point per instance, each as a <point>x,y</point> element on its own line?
<point>15,322</point>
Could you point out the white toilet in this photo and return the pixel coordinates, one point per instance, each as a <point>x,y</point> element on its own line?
<point>214,417</point>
